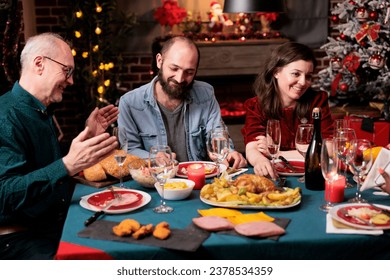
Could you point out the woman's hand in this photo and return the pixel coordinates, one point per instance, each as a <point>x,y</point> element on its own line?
<point>261,164</point>
<point>261,145</point>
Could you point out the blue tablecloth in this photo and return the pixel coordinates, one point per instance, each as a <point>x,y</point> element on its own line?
<point>305,236</point>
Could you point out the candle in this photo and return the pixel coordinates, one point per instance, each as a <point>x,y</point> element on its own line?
<point>334,191</point>
<point>196,173</point>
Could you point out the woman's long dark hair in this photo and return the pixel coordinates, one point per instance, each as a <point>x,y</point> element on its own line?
<point>266,87</point>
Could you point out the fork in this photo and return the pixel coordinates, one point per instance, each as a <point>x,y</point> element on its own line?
<point>116,195</point>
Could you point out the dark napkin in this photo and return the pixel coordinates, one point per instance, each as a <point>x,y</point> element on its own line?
<point>282,222</point>
<point>188,239</point>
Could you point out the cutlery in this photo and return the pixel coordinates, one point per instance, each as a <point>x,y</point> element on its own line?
<point>232,170</point>
<point>285,161</point>
<point>95,216</point>
<point>345,213</point>
<point>281,183</point>
<point>383,210</point>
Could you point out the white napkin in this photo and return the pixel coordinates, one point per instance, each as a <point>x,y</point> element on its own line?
<point>243,170</point>
<point>330,228</point>
<point>374,178</point>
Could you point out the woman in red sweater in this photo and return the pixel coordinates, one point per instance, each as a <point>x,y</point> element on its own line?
<point>283,92</point>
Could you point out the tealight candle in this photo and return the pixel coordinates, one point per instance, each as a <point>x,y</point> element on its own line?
<point>196,172</point>
<point>334,191</point>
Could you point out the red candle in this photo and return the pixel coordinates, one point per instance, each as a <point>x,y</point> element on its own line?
<point>334,191</point>
<point>196,173</point>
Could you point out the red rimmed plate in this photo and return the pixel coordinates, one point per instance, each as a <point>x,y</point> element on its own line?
<point>210,168</point>
<point>283,170</point>
<point>337,213</point>
<point>131,200</point>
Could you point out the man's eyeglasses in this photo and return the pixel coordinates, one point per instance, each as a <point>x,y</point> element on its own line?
<point>68,70</point>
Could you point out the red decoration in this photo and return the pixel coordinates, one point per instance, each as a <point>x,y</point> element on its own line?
<point>344,87</point>
<point>342,36</point>
<point>368,30</point>
<point>352,2</point>
<point>376,61</point>
<point>170,13</point>
<point>336,63</point>
<point>334,19</point>
<point>363,44</point>
<point>373,15</point>
<point>351,62</point>
<point>361,14</point>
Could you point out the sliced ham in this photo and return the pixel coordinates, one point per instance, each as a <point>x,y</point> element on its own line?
<point>259,229</point>
<point>212,223</point>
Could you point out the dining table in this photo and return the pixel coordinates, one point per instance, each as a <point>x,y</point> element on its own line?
<point>305,235</point>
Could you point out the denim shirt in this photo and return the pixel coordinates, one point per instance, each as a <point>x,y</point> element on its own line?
<point>140,114</point>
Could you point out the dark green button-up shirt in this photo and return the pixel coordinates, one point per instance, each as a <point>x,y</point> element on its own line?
<point>34,184</point>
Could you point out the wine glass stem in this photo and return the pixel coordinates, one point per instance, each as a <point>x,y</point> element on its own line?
<point>162,194</point>
<point>120,176</point>
<point>358,195</point>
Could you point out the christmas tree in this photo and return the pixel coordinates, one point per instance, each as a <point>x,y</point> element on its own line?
<point>359,56</point>
<point>97,31</point>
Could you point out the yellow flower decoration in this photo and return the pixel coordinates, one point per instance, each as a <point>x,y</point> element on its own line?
<point>79,14</point>
<point>84,54</point>
<point>95,48</point>
<point>74,52</point>
<point>77,34</point>
<point>98,31</point>
<point>107,83</point>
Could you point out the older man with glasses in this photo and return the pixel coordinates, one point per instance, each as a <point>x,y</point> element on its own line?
<point>35,178</point>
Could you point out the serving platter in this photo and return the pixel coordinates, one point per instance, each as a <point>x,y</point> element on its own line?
<point>235,205</point>
<point>210,168</point>
<point>337,213</point>
<point>132,200</point>
<point>283,170</point>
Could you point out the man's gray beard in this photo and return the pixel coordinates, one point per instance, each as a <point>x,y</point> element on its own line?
<point>180,92</point>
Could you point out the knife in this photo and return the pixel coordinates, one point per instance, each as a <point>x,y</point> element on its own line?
<point>282,158</point>
<point>95,216</point>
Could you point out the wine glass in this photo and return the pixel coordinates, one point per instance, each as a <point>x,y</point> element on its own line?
<point>359,158</point>
<point>343,138</point>
<point>329,163</point>
<point>273,138</point>
<point>121,152</point>
<point>161,167</point>
<point>217,143</point>
<point>340,124</point>
<point>302,140</point>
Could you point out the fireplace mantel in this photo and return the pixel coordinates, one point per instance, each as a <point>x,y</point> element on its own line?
<point>223,58</point>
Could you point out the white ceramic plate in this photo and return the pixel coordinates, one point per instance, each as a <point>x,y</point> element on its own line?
<point>335,213</point>
<point>208,164</point>
<point>145,198</point>
<point>235,206</point>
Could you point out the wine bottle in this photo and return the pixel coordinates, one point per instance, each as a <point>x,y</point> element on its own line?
<point>313,175</point>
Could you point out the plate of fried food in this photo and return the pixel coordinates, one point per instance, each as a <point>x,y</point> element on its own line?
<point>249,191</point>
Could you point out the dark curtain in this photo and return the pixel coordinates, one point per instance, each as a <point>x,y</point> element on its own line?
<point>306,21</point>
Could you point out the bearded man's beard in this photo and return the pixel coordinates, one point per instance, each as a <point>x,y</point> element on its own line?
<point>174,89</point>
